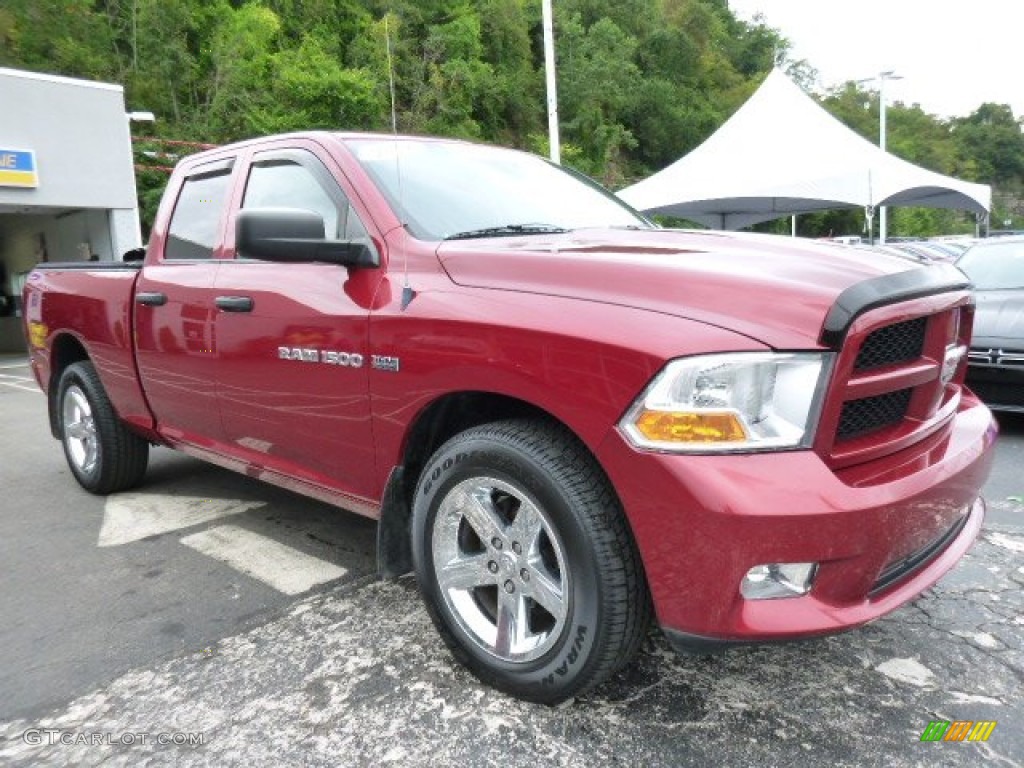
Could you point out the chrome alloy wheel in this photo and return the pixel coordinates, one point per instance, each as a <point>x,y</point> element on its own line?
<point>80,435</point>
<point>501,569</point>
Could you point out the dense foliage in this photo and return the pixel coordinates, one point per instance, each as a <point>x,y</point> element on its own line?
<point>641,82</point>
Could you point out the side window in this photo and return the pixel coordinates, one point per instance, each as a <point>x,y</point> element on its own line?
<point>194,227</point>
<point>354,229</point>
<point>286,184</point>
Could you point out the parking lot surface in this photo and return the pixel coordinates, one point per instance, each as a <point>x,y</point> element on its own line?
<point>206,619</point>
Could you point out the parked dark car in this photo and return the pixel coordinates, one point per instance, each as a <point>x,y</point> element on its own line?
<point>996,360</point>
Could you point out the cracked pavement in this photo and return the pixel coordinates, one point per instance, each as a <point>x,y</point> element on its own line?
<point>137,638</point>
<point>356,676</point>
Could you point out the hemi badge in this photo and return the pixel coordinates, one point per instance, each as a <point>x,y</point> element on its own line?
<point>385,363</point>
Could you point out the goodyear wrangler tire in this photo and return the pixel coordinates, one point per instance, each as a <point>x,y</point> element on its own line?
<point>525,561</point>
<point>104,456</point>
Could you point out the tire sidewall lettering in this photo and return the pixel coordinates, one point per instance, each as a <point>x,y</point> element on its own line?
<point>445,466</point>
<point>573,654</point>
<point>574,649</point>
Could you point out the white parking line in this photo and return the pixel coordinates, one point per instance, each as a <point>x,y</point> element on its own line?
<point>285,569</point>
<point>11,366</point>
<point>135,515</point>
<point>24,383</point>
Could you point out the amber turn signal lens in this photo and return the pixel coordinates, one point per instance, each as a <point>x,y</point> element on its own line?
<point>37,333</point>
<point>683,427</point>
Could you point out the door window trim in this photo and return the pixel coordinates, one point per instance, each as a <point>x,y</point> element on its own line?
<point>219,167</point>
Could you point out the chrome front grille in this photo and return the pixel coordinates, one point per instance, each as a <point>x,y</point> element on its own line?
<point>1000,357</point>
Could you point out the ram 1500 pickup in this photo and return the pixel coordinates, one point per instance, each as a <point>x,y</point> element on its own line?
<point>565,418</point>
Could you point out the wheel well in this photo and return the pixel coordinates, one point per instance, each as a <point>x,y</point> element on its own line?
<point>65,350</point>
<point>453,414</point>
<point>442,420</point>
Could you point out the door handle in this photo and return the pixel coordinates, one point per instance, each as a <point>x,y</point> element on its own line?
<point>154,299</point>
<point>234,303</point>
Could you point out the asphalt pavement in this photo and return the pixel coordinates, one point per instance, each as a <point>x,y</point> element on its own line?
<point>208,619</point>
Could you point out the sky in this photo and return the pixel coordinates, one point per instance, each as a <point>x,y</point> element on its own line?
<point>953,56</point>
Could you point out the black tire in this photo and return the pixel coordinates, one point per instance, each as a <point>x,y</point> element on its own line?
<point>548,617</point>
<point>103,454</point>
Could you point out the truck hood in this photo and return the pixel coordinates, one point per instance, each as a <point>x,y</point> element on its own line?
<point>776,290</point>
<point>999,319</point>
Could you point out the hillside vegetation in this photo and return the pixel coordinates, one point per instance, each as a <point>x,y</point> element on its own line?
<point>641,82</point>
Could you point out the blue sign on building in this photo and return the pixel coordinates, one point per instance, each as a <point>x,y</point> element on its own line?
<point>18,168</point>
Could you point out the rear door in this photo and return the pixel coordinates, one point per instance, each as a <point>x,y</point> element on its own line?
<point>174,308</point>
<point>292,342</point>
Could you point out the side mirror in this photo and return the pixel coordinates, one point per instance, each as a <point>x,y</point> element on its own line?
<point>295,235</point>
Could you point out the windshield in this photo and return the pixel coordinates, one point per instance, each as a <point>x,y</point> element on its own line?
<point>454,189</point>
<point>995,266</point>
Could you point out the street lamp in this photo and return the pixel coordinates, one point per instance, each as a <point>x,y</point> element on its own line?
<point>881,77</point>
<point>549,76</point>
<point>141,117</point>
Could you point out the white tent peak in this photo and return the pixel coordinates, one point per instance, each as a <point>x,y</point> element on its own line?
<point>782,153</point>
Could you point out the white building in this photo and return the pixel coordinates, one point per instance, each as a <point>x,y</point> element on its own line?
<point>67,180</point>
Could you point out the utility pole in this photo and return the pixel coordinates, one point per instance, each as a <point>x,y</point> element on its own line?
<point>549,72</point>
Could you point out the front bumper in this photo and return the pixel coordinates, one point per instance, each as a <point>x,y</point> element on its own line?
<point>876,530</point>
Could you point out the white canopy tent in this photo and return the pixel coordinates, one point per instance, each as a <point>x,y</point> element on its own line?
<point>781,154</point>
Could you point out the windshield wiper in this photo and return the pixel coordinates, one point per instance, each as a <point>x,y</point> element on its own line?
<point>509,229</point>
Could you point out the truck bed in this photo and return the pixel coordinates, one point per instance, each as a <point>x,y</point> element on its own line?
<point>90,303</point>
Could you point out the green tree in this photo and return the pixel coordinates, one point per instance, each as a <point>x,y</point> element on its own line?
<point>240,97</point>
<point>312,90</point>
<point>990,145</point>
<point>856,108</point>
<point>598,82</point>
<point>169,77</point>
<point>59,36</point>
<point>637,18</point>
<point>923,139</point>
<point>517,104</point>
<point>641,82</point>
<point>334,23</point>
<point>454,95</point>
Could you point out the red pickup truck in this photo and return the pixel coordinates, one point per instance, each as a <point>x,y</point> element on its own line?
<point>564,417</point>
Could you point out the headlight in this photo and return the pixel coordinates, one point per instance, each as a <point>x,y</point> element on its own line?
<point>739,401</point>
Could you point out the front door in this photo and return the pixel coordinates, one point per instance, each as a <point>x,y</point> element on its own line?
<point>293,378</point>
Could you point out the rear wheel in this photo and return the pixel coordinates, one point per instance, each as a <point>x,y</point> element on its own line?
<point>525,561</point>
<point>104,456</point>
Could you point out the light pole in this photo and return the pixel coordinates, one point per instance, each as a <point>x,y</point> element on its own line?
<point>881,77</point>
<point>549,72</point>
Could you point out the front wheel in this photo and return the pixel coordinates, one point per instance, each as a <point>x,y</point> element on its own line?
<point>104,456</point>
<point>525,561</point>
